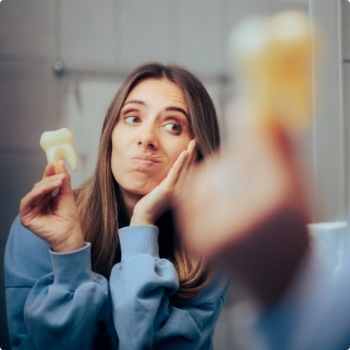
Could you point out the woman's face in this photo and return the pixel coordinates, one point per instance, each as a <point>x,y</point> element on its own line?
<point>152,130</point>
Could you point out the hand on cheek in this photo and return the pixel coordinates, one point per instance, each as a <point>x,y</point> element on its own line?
<point>148,210</point>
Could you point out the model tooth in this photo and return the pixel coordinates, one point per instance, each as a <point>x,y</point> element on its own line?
<point>58,144</point>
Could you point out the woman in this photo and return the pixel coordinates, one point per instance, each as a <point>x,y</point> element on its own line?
<point>96,273</point>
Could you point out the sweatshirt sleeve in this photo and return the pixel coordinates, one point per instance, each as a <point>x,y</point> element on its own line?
<point>144,313</point>
<point>53,300</point>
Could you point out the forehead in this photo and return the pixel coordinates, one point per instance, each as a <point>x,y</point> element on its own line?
<point>158,90</point>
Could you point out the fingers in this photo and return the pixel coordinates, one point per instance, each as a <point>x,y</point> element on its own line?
<point>66,186</point>
<point>187,167</point>
<point>41,194</point>
<point>183,164</point>
<point>61,167</point>
<point>192,155</point>
<point>38,199</point>
<point>175,171</point>
<point>49,170</point>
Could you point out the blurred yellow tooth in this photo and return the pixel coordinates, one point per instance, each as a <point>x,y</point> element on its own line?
<point>58,144</point>
<point>273,59</point>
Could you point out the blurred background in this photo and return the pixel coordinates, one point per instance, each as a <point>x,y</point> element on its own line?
<point>61,61</point>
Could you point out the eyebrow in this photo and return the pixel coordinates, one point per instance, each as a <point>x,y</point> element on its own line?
<point>134,101</point>
<point>171,108</point>
<point>177,109</point>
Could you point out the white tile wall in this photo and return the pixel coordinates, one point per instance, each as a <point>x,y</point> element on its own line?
<point>198,35</point>
<point>27,28</point>
<point>346,95</point>
<point>28,104</point>
<point>18,173</point>
<point>85,104</point>
<point>145,29</point>
<point>87,32</point>
<point>216,91</point>
<point>345,11</point>
<point>286,5</point>
<point>328,131</point>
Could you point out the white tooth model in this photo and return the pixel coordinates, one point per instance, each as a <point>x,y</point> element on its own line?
<point>58,144</point>
<point>272,59</point>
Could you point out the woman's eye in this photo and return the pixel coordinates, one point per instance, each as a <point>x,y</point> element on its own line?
<point>173,127</point>
<point>131,119</point>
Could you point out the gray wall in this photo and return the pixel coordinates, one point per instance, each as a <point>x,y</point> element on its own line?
<point>99,42</point>
<point>345,40</point>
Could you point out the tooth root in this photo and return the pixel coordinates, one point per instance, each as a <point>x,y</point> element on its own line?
<point>58,144</point>
<point>71,156</point>
<point>51,158</point>
<point>54,154</point>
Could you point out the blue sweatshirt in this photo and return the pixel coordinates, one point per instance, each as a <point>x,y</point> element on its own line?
<point>55,301</point>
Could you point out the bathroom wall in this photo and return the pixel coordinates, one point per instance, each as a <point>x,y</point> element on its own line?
<point>61,61</point>
<point>345,41</point>
<point>329,133</point>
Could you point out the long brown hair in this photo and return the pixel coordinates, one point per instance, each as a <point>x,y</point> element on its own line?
<point>99,201</point>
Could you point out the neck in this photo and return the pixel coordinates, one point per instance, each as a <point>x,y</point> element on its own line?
<point>129,202</point>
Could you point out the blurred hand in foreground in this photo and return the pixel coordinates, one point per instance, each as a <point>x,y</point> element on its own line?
<point>247,208</point>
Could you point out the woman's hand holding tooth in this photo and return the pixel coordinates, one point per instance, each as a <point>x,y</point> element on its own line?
<point>53,218</point>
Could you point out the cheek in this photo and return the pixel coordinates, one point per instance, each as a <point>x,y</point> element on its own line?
<point>173,156</point>
<point>119,141</point>
<point>175,150</point>
<point>117,150</point>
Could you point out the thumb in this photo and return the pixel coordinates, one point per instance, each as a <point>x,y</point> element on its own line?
<point>66,188</point>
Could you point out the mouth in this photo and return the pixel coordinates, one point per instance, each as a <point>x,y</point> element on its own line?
<point>145,160</point>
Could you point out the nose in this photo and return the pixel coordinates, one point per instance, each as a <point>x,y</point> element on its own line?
<point>148,136</point>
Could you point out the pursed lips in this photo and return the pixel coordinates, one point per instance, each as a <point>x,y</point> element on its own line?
<point>145,160</point>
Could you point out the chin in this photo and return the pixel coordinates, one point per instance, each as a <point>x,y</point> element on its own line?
<point>142,189</point>
<point>140,185</point>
